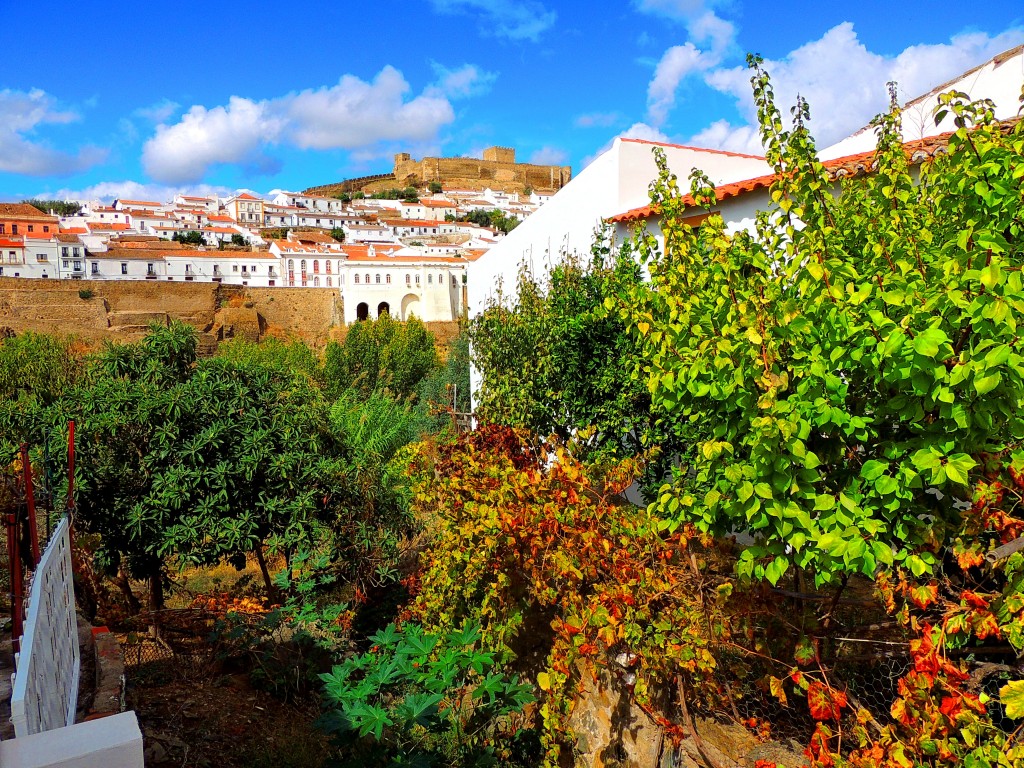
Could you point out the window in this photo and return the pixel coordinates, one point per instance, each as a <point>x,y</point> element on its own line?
<point>64,252</point>
<point>417,279</point>
<point>377,279</point>
<point>387,279</point>
<point>430,279</point>
<point>78,266</point>
<point>77,252</point>
<point>408,278</point>
<point>367,278</point>
<point>41,257</point>
<point>440,279</point>
<point>3,229</point>
<point>302,265</point>
<point>14,229</point>
<point>12,256</point>
<point>291,263</point>
<point>46,228</point>
<point>329,285</point>
<point>316,266</point>
<point>31,228</point>
<point>327,266</point>
<point>357,279</point>
<point>95,267</point>
<point>253,269</point>
<point>149,269</point>
<point>124,267</point>
<point>234,267</point>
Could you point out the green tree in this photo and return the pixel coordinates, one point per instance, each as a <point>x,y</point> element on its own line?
<point>381,353</point>
<point>238,239</point>
<point>849,370</point>
<point>199,460</point>
<point>434,187</point>
<point>57,207</point>
<point>338,234</point>
<point>189,237</point>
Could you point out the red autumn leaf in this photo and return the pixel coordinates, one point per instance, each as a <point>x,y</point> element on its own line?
<point>985,625</point>
<point>825,703</point>
<point>923,595</point>
<point>899,712</point>
<point>805,652</point>
<point>973,599</point>
<point>951,706</point>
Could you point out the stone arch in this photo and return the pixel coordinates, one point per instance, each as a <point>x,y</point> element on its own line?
<point>362,311</point>
<point>410,306</point>
<point>383,309</point>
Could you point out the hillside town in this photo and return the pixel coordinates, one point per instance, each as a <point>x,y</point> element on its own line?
<point>404,254</point>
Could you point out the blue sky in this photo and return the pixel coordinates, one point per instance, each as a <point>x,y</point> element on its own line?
<point>139,99</point>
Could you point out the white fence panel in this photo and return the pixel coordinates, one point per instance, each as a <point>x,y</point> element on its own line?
<point>46,681</point>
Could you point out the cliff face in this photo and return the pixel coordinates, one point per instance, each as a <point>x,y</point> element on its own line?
<point>123,310</point>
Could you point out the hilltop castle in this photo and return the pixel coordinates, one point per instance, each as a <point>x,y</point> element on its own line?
<point>498,170</point>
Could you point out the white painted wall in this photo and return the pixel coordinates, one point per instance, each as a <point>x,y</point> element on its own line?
<point>617,181</point>
<point>45,686</point>
<point>109,742</point>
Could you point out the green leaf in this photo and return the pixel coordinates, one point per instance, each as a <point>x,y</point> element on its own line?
<point>1011,696</point>
<point>928,341</point>
<point>985,384</point>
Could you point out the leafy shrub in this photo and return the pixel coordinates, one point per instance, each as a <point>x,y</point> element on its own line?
<point>421,698</point>
<point>85,294</point>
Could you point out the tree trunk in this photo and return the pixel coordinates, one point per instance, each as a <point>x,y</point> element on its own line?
<point>156,592</point>
<point>271,589</point>
<point>122,583</point>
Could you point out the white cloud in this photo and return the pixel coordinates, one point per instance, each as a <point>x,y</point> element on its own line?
<point>160,112</point>
<point>514,19</point>
<point>353,115</point>
<point>21,113</point>
<point>467,80</point>
<point>844,82</point>
<point>678,62</point>
<point>721,134</point>
<point>108,191</point>
<point>597,119</point>
<point>236,133</point>
<point>699,18</point>
<point>549,156</point>
<point>706,29</point>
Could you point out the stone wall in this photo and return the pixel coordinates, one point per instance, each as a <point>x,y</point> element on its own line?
<point>123,310</point>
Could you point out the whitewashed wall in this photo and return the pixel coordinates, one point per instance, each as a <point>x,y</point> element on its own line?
<point>45,691</point>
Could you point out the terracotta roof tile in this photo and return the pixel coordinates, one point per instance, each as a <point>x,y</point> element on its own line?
<point>917,151</point>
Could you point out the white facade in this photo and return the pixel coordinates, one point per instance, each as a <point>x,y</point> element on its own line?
<point>615,182</point>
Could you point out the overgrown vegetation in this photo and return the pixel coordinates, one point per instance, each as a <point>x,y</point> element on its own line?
<point>824,414</point>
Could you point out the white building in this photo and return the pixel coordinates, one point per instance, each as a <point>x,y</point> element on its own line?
<point>615,182</point>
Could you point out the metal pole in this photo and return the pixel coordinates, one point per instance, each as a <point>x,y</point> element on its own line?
<point>30,504</point>
<point>70,503</point>
<point>14,564</point>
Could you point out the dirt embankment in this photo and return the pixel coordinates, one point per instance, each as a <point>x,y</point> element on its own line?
<point>123,310</point>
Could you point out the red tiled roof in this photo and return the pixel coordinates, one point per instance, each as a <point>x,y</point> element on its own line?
<point>23,211</point>
<point>917,151</point>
